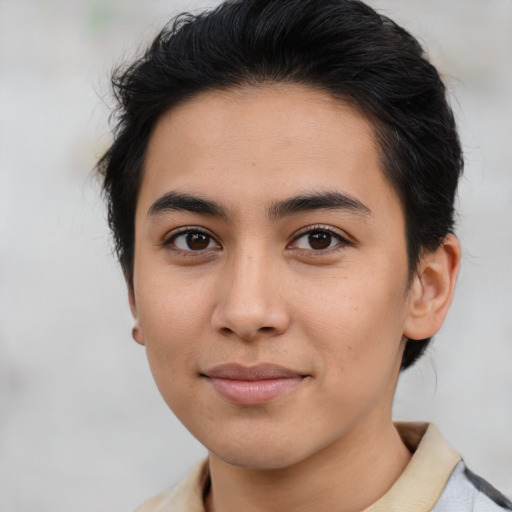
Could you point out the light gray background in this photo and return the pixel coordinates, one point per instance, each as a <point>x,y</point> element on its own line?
<point>82,427</point>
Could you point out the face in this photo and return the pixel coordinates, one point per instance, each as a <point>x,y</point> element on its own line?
<point>270,276</point>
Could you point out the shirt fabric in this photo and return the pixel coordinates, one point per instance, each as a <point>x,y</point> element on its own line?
<point>435,480</point>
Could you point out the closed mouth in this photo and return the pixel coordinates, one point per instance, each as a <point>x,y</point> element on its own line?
<point>252,385</point>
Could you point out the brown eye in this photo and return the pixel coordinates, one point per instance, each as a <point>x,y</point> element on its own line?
<point>197,241</point>
<point>190,240</point>
<point>319,240</point>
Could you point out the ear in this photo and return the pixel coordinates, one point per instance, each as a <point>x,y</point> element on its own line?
<point>137,332</point>
<point>432,290</point>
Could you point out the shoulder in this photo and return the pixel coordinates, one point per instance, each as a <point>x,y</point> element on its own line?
<point>155,503</point>
<point>187,496</point>
<point>465,491</point>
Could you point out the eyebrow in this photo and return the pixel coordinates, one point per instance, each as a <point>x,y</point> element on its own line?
<point>317,201</point>
<point>176,201</point>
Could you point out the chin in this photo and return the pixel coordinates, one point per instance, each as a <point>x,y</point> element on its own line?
<point>259,460</point>
<point>260,454</point>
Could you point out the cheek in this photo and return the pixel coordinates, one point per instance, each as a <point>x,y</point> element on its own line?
<point>357,326</point>
<point>357,340</point>
<point>172,317</point>
<point>171,305</point>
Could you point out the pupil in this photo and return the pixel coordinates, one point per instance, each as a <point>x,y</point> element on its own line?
<point>197,241</point>
<point>319,240</point>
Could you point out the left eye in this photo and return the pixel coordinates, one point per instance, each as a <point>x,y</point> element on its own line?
<point>319,240</point>
<point>193,241</point>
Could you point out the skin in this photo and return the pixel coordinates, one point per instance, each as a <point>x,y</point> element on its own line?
<point>258,289</point>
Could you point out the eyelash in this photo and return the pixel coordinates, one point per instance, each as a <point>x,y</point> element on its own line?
<point>342,241</point>
<point>170,241</point>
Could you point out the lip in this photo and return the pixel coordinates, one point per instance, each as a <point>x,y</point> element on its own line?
<point>252,385</point>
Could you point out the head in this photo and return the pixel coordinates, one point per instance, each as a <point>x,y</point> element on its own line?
<point>233,101</point>
<point>343,48</point>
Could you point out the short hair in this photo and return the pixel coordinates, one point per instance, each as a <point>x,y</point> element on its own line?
<point>342,47</point>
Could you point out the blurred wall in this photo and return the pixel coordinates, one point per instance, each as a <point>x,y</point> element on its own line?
<point>82,427</point>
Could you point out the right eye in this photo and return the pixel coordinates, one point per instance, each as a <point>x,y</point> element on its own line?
<point>191,240</point>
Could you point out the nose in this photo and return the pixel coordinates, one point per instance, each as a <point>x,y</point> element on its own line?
<point>249,302</point>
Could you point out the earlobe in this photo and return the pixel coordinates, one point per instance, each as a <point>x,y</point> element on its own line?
<point>432,290</point>
<point>137,332</point>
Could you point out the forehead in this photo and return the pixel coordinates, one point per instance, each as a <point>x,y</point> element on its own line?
<point>258,145</point>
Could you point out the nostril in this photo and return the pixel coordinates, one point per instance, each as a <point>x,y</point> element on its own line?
<point>248,320</point>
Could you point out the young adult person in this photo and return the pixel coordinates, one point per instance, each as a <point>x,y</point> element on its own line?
<point>280,189</point>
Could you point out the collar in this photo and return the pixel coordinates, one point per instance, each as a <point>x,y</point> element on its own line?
<point>418,488</point>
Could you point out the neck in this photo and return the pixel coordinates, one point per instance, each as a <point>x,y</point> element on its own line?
<point>347,476</point>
